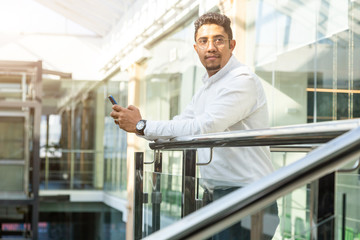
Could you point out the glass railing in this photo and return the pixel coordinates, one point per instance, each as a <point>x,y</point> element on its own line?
<point>63,169</point>
<point>115,172</point>
<point>348,205</point>
<point>76,169</point>
<point>303,198</point>
<point>164,191</point>
<point>163,201</point>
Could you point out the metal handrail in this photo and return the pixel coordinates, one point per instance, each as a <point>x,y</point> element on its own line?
<point>293,134</point>
<point>238,204</point>
<point>353,168</point>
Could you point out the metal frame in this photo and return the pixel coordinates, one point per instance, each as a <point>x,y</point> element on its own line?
<point>138,195</point>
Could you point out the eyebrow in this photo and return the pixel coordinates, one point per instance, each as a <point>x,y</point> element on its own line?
<point>219,35</point>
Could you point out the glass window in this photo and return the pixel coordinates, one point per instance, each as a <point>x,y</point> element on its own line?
<point>115,139</point>
<point>173,74</point>
<point>306,52</point>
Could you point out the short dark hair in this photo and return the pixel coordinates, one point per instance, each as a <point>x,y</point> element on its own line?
<point>214,18</point>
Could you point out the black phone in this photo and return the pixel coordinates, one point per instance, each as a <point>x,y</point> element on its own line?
<point>112,100</point>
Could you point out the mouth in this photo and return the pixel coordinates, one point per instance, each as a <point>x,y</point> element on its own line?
<point>211,57</point>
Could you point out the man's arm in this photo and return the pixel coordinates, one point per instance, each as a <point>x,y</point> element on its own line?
<point>230,105</point>
<point>127,118</point>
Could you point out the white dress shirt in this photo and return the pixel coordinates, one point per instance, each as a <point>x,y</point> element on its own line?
<point>232,99</point>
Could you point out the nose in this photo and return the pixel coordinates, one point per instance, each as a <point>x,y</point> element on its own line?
<point>211,46</point>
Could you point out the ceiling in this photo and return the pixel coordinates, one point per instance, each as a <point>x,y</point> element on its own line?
<point>98,16</point>
<point>66,35</point>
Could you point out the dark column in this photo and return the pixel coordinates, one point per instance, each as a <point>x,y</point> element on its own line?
<point>138,195</point>
<point>156,197</point>
<point>188,182</point>
<point>326,207</point>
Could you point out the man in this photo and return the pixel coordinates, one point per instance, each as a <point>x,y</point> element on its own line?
<point>231,99</point>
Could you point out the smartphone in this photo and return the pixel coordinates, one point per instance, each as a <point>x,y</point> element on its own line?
<point>112,100</point>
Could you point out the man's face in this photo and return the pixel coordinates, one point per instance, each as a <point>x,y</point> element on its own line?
<point>213,47</point>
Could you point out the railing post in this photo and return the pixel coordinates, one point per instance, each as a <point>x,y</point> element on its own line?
<point>138,195</point>
<point>72,169</point>
<point>343,231</point>
<point>156,197</point>
<point>188,182</point>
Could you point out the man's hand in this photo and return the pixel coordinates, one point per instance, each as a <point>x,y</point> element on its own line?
<point>126,118</point>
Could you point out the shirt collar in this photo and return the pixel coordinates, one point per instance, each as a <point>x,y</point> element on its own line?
<point>221,73</point>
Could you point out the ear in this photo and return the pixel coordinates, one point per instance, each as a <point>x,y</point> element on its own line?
<point>196,48</point>
<point>232,44</point>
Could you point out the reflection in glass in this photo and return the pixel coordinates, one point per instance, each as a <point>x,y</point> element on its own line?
<point>306,53</point>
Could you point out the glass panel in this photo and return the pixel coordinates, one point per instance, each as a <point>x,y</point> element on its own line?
<point>347,193</point>
<point>287,218</point>
<point>282,57</point>
<point>171,79</point>
<point>306,53</point>
<point>12,138</point>
<point>82,148</point>
<point>115,141</point>
<point>250,226</point>
<point>164,192</point>
<point>281,159</point>
<point>13,154</point>
<point>68,169</point>
<point>298,214</point>
<point>11,178</point>
<point>164,204</point>
<point>165,201</point>
<point>301,213</point>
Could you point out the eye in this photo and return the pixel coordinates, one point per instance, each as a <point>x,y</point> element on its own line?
<point>202,41</point>
<point>219,40</point>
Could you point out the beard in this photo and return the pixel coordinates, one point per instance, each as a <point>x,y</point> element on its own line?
<point>213,68</point>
